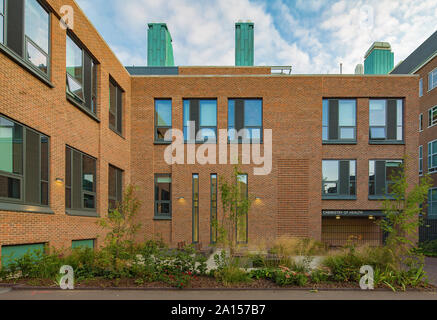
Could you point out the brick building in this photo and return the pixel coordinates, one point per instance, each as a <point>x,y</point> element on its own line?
<point>76,126</point>
<point>423,62</point>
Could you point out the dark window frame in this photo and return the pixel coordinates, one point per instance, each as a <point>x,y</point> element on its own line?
<point>431,75</point>
<point>119,94</point>
<point>22,177</point>
<point>82,210</point>
<point>157,202</point>
<point>386,140</point>
<point>213,208</point>
<point>431,204</point>
<point>3,22</point>
<point>247,213</point>
<point>198,126</point>
<point>338,140</point>
<point>387,182</point>
<point>195,205</point>
<point>432,112</point>
<point>431,153</point>
<point>338,195</point>
<point>420,160</point>
<point>156,123</point>
<point>119,178</point>
<point>242,115</point>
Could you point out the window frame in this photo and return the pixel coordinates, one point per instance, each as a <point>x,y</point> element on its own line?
<point>3,16</point>
<point>385,140</point>
<point>339,140</point>
<point>421,122</point>
<point>430,203</point>
<point>248,128</point>
<point>431,112</point>
<point>155,202</point>
<point>432,80</point>
<point>82,211</point>
<point>247,214</point>
<point>431,153</point>
<point>338,195</point>
<point>117,87</point>
<point>195,205</point>
<point>118,197</point>
<point>22,177</point>
<point>421,87</point>
<point>155,137</point>
<point>387,182</point>
<point>420,160</point>
<point>196,141</point>
<point>213,208</point>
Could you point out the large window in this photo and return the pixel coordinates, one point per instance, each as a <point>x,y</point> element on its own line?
<point>432,116</point>
<point>386,120</point>
<point>162,118</point>
<point>27,31</point>
<point>339,120</point>
<point>115,107</point>
<point>245,114</point>
<point>115,187</point>
<point>420,160</point>
<point>195,208</point>
<point>24,164</point>
<point>432,156</point>
<point>214,220</point>
<point>339,178</point>
<point>432,203</point>
<point>162,196</point>
<point>81,76</point>
<point>242,217</point>
<point>432,79</point>
<point>381,173</point>
<point>204,115</point>
<point>80,182</point>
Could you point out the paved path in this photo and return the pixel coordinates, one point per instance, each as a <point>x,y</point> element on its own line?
<point>7,294</point>
<point>431,270</point>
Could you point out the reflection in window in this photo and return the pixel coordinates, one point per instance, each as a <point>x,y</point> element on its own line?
<point>386,119</point>
<point>432,156</point>
<point>162,118</point>
<point>195,184</point>
<point>339,120</point>
<point>381,176</point>
<point>242,217</point>
<point>432,203</point>
<point>203,113</point>
<point>2,21</point>
<point>74,69</point>
<point>339,178</point>
<point>245,114</point>
<point>115,187</point>
<point>163,196</point>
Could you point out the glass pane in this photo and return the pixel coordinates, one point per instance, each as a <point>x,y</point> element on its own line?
<point>10,188</point>
<point>74,87</point>
<point>254,134</point>
<point>186,112</point>
<point>392,169</point>
<point>330,188</point>
<point>89,173</point>
<point>208,113</point>
<point>352,168</point>
<point>434,161</point>
<point>231,113</point>
<point>377,112</point>
<point>164,208</point>
<point>163,188</point>
<point>11,147</point>
<point>206,133</point>
<point>44,158</point>
<point>347,133</point>
<point>2,7</point>
<point>399,133</point>
<point>325,133</point>
<point>112,104</point>
<point>37,24</point>
<point>325,116</point>
<point>89,201</point>
<point>112,182</point>
<point>434,146</point>
<point>45,193</point>
<point>1,28</point>
<point>253,113</point>
<point>68,198</point>
<point>74,61</point>
<point>377,133</point>
<point>399,112</point>
<point>163,113</point>
<point>433,195</point>
<point>346,113</point>
<point>160,133</point>
<point>330,170</point>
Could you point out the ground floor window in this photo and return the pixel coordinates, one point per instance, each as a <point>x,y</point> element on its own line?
<point>115,187</point>
<point>242,218</point>
<point>381,173</point>
<point>432,203</point>
<point>213,208</point>
<point>195,208</point>
<point>162,196</point>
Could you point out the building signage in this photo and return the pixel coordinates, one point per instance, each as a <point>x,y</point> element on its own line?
<point>352,213</point>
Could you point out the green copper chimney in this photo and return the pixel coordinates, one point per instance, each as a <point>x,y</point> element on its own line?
<point>379,59</point>
<point>159,46</point>
<point>244,43</point>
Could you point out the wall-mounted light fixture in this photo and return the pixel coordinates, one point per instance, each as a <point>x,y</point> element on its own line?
<point>337,217</point>
<point>371,217</point>
<point>257,198</point>
<point>59,180</point>
<point>181,198</point>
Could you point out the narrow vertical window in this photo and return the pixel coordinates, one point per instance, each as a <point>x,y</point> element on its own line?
<point>242,217</point>
<point>432,79</point>
<point>74,69</point>
<point>421,122</point>
<point>195,208</point>
<point>421,87</point>
<point>115,187</point>
<point>2,21</point>
<point>214,220</point>
<point>115,107</point>
<point>420,160</point>
<point>163,118</point>
<point>162,196</point>
<point>339,120</point>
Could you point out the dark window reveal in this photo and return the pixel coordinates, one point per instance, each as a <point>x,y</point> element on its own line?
<point>381,173</point>
<point>115,187</point>
<point>162,196</point>
<point>115,107</point>
<point>80,180</point>
<point>24,164</point>
<point>339,178</point>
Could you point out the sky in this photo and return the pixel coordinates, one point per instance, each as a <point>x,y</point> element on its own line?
<point>312,36</point>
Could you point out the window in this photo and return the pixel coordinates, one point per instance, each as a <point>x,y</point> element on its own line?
<point>82,244</point>
<point>421,122</point>
<point>204,115</point>
<point>162,196</point>
<point>214,221</point>
<point>242,218</point>
<point>432,203</point>
<point>432,156</point>
<point>420,160</point>
<point>27,32</point>
<point>115,107</point>
<point>432,116</point>
<point>380,175</point>
<point>81,76</point>
<point>245,114</point>
<point>339,178</point>
<point>339,120</point>
<point>195,208</point>
<point>115,187</point>
<point>24,164</point>
<point>162,118</point>
<point>2,21</point>
<point>420,87</point>
<point>386,120</point>
<point>432,79</point>
<point>80,181</point>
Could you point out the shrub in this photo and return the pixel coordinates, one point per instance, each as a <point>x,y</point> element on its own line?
<point>428,248</point>
<point>264,273</point>
<point>284,276</point>
<point>319,276</point>
<point>232,274</point>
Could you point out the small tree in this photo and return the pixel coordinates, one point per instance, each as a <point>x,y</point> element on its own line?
<point>235,205</point>
<point>122,225</point>
<point>402,212</point>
